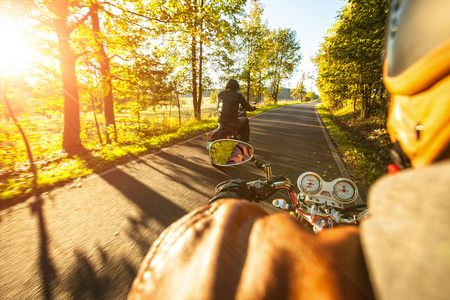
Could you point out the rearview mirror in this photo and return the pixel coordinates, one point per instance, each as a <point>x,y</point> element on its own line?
<point>230,153</point>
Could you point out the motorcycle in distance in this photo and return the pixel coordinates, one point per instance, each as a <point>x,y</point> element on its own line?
<point>319,204</point>
<point>225,132</point>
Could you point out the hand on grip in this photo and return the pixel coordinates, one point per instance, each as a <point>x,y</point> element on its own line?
<point>233,188</point>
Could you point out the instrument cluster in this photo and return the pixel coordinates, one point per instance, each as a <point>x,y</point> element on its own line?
<point>336,193</point>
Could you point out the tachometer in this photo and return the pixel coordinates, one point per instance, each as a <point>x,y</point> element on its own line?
<point>309,183</point>
<point>345,190</point>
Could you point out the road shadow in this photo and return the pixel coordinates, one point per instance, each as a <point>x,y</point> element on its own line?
<point>105,273</point>
<point>109,277</point>
<point>151,203</point>
<point>46,266</point>
<point>177,169</point>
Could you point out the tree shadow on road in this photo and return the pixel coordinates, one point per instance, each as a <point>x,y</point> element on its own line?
<point>46,265</point>
<point>182,169</point>
<point>175,170</point>
<point>99,275</point>
<point>151,203</point>
<point>108,271</point>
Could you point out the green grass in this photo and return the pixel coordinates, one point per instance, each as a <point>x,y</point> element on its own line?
<point>364,144</point>
<point>54,168</point>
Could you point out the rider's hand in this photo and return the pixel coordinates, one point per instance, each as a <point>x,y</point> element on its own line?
<point>233,188</point>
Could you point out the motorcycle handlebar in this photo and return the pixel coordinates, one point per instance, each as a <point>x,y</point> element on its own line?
<point>263,189</point>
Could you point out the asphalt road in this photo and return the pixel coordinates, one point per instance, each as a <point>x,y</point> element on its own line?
<point>87,239</point>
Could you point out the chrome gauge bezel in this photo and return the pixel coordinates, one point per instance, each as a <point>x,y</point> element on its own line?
<point>348,181</point>
<point>299,183</point>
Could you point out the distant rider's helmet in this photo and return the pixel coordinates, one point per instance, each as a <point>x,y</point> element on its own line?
<point>417,76</point>
<point>232,84</point>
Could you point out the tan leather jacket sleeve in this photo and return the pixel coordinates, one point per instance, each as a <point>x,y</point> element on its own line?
<point>233,249</point>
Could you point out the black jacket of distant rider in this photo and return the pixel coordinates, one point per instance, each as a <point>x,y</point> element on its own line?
<point>228,104</point>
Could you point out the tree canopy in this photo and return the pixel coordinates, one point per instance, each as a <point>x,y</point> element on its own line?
<point>350,58</point>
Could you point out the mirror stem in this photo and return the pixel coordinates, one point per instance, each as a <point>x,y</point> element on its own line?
<point>268,170</point>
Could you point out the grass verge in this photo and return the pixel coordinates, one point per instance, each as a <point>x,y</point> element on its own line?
<point>363,143</point>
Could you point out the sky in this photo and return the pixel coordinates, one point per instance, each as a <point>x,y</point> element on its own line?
<point>310,19</point>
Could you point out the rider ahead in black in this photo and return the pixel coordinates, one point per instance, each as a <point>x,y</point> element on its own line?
<point>229,101</point>
<point>228,104</point>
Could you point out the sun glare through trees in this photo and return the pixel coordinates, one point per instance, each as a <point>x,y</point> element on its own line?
<point>16,54</point>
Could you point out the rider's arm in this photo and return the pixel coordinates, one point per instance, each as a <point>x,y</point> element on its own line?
<point>245,104</point>
<point>219,101</point>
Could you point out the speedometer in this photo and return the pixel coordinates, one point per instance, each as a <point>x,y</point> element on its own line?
<point>345,190</point>
<point>309,183</point>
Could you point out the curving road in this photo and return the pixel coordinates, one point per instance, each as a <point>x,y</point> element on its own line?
<point>87,239</point>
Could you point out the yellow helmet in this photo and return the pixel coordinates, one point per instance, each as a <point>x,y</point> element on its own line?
<point>417,76</point>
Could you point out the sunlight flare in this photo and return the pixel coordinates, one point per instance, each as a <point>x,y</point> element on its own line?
<point>16,53</point>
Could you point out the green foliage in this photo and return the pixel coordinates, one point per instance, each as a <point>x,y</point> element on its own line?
<point>252,53</point>
<point>350,59</point>
<point>312,95</point>
<point>191,28</point>
<point>284,59</point>
<point>260,58</point>
<point>300,90</point>
<point>213,97</point>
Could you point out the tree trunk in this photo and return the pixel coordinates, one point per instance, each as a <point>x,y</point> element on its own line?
<point>194,76</point>
<point>277,85</point>
<point>362,95</point>
<point>71,135</point>
<point>198,113</point>
<point>170,110</point>
<point>260,90</point>
<point>200,83</point>
<point>179,109</point>
<point>94,110</point>
<point>137,111</point>
<point>249,73</point>
<point>248,86</point>
<point>108,101</point>
<point>24,137</point>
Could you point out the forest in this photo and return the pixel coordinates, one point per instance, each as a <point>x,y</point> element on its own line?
<point>115,78</point>
<point>349,60</point>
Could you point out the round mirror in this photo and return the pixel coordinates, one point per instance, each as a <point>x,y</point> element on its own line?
<point>230,152</point>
